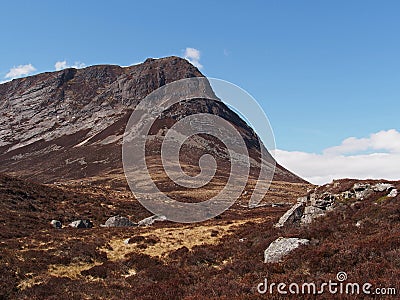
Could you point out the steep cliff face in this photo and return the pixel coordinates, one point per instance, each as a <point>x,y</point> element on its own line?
<point>69,124</point>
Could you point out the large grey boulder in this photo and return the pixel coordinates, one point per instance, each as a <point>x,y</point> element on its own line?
<point>281,247</point>
<point>118,221</point>
<point>81,224</point>
<point>150,220</point>
<point>292,216</point>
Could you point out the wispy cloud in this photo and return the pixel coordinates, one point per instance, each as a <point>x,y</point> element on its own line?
<point>21,70</point>
<point>60,65</point>
<point>193,56</point>
<point>348,160</point>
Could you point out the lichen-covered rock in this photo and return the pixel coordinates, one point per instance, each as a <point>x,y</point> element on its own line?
<point>281,247</point>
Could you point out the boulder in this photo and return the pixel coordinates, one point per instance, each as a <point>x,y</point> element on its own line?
<point>393,193</point>
<point>292,216</point>
<point>281,247</point>
<point>150,220</point>
<point>81,224</point>
<point>56,224</point>
<point>118,221</point>
<point>310,213</point>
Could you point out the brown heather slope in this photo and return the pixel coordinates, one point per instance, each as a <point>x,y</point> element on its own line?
<point>217,259</point>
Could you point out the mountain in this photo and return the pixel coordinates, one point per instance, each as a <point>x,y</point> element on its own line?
<point>69,124</point>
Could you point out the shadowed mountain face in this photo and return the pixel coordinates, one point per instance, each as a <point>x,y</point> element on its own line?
<point>68,125</point>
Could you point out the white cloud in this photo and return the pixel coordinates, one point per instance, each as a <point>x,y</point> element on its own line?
<point>193,56</point>
<point>383,140</point>
<point>21,70</point>
<point>333,163</point>
<point>60,65</point>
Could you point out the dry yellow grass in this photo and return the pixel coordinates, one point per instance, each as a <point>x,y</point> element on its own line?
<point>72,271</point>
<point>174,238</point>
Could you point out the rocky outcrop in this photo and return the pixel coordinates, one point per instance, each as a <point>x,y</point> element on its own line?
<point>281,247</point>
<point>393,193</point>
<point>364,190</point>
<point>310,213</point>
<point>316,204</point>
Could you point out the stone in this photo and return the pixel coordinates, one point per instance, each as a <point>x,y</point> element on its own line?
<point>118,221</point>
<point>150,220</point>
<point>310,213</point>
<point>81,224</point>
<point>281,247</point>
<point>381,187</point>
<point>393,193</point>
<point>56,224</point>
<point>362,190</point>
<point>292,216</point>
<point>348,195</point>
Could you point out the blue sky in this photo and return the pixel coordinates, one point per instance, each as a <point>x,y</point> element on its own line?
<point>323,71</point>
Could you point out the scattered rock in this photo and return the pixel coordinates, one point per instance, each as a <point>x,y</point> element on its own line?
<point>393,193</point>
<point>281,247</point>
<point>81,224</point>
<point>118,221</point>
<point>56,224</point>
<point>359,223</point>
<point>150,220</point>
<point>292,216</point>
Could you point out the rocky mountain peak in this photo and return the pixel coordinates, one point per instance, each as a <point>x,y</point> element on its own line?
<point>69,124</point>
